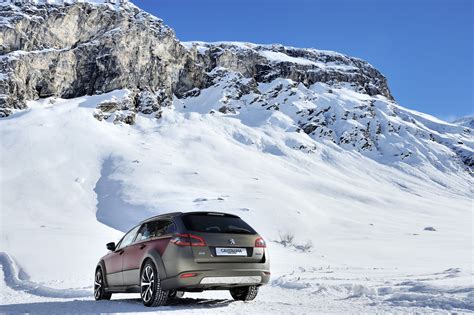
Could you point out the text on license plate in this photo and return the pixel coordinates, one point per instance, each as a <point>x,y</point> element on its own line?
<point>220,251</point>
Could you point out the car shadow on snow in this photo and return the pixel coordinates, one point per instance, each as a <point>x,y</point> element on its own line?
<point>113,306</point>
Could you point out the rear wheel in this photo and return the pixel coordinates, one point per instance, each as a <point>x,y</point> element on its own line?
<point>99,286</point>
<point>244,293</point>
<point>151,292</point>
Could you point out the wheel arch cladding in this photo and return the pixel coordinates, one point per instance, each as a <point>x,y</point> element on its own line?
<point>156,259</point>
<point>101,265</point>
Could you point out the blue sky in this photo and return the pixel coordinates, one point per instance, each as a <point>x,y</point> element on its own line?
<point>424,47</point>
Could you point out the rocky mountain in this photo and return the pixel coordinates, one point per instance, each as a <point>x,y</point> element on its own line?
<point>84,49</point>
<point>72,50</point>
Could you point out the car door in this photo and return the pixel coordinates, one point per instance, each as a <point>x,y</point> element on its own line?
<point>133,255</point>
<point>114,260</point>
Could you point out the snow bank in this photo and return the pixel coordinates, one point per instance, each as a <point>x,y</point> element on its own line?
<point>17,279</point>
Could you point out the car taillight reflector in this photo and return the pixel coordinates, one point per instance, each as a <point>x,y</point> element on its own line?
<point>188,275</point>
<point>259,242</point>
<point>188,240</point>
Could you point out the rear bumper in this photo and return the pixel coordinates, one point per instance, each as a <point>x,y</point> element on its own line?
<point>217,279</point>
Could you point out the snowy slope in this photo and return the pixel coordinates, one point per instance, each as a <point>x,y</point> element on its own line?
<point>70,182</point>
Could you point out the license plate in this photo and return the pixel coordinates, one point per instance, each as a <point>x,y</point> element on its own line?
<point>231,251</point>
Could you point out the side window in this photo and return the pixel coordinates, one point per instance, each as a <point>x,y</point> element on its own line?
<point>128,238</point>
<point>144,232</point>
<point>155,229</point>
<point>170,228</point>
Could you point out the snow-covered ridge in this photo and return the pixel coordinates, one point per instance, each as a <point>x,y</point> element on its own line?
<point>249,45</point>
<point>202,46</point>
<point>467,121</point>
<point>277,53</point>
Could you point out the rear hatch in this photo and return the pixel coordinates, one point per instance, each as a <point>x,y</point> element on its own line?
<point>225,238</point>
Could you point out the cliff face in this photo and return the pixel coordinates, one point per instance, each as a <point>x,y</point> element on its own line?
<point>86,49</point>
<point>81,49</point>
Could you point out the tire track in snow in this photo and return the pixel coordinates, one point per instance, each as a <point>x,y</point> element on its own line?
<point>16,279</point>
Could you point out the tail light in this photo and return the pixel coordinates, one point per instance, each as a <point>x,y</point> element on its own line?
<point>188,275</point>
<point>188,240</point>
<point>259,242</point>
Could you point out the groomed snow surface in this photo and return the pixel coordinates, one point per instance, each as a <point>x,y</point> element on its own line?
<point>71,183</point>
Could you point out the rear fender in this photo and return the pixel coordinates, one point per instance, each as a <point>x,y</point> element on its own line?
<point>156,258</point>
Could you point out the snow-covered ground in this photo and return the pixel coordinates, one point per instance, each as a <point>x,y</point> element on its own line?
<point>306,289</point>
<point>70,183</point>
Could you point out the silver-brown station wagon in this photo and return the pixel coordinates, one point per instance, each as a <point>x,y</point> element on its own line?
<point>167,255</point>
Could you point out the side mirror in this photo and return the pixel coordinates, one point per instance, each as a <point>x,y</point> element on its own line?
<point>111,246</point>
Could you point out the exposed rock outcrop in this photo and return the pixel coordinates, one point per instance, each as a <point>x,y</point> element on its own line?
<point>84,49</point>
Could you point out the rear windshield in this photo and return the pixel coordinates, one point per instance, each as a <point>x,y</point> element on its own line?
<point>216,224</point>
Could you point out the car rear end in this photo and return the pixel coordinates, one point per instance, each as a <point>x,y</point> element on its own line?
<point>214,251</point>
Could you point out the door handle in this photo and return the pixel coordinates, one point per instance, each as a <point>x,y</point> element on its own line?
<point>142,246</point>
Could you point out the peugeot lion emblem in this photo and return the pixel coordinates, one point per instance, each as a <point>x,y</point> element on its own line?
<point>232,241</point>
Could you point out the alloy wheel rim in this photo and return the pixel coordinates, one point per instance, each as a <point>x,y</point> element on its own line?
<point>147,282</point>
<point>97,284</point>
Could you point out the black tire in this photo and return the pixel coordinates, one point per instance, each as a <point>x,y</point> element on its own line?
<point>151,294</point>
<point>99,286</point>
<point>244,293</point>
<point>176,294</point>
